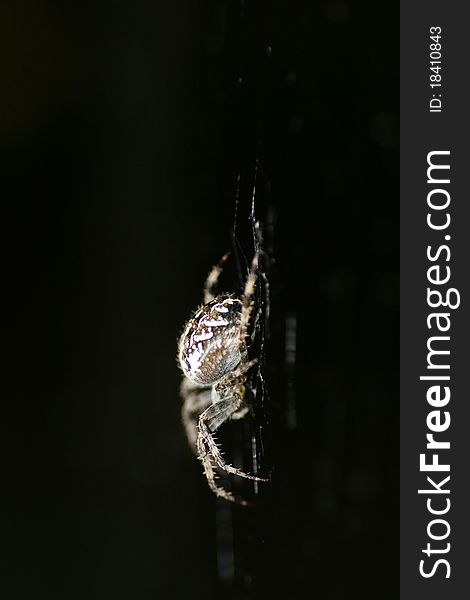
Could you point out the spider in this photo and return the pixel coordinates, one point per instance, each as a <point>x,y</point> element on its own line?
<point>213,355</point>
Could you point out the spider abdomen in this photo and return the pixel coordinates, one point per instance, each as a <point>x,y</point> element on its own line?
<point>210,345</point>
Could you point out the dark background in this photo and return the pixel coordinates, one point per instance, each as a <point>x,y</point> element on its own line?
<point>123,129</point>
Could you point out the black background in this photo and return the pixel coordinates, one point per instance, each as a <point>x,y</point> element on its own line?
<point>123,127</point>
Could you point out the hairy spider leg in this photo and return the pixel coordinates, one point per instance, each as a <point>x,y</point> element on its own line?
<point>213,278</point>
<point>248,293</point>
<point>219,412</point>
<point>211,475</point>
<point>196,400</point>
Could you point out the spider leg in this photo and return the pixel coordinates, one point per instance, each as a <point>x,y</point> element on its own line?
<point>210,474</point>
<point>212,279</point>
<point>210,421</point>
<point>248,294</point>
<point>195,401</point>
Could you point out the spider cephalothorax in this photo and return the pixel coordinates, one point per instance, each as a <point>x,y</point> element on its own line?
<point>213,356</point>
